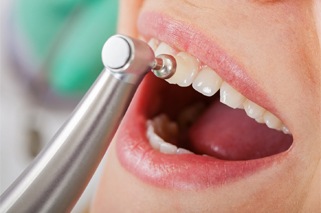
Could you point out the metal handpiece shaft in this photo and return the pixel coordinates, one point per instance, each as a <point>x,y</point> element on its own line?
<point>57,177</point>
<point>54,182</point>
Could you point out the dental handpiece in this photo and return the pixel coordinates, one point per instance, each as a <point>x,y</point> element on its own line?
<point>59,174</point>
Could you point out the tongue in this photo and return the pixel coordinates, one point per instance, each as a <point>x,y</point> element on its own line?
<point>230,134</point>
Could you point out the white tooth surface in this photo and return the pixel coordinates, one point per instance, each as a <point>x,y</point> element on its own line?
<point>167,148</point>
<point>285,130</point>
<point>154,140</point>
<point>164,48</point>
<point>230,96</point>
<point>207,82</point>
<point>183,151</point>
<point>153,43</point>
<point>271,120</point>
<point>260,120</point>
<point>186,70</point>
<point>253,110</point>
<point>158,143</point>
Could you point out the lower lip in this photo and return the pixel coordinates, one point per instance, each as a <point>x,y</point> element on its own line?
<point>185,171</point>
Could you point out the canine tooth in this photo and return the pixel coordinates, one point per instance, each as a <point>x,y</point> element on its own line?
<point>271,120</point>
<point>230,96</point>
<point>207,82</point>
<point>253,110</point>
<point>164,48</point>
<point>168,148</point>
<point>153,43</point>
<point>186,71</point>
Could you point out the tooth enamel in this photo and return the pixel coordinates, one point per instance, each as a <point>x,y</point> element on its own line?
<point>164,48</point>
<point>253,110</point>
<point>260,120</point>
<point>154,140</point>
<point>183,151</point>
<point>186,70</point>
<point>207,82</point>
<point>153,43</point>
<point>285,130</point>
<point>167,148</point>
<point>230,96</point>
<point>271,120</point>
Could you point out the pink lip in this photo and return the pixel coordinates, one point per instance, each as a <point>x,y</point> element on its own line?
<point>181,171</point>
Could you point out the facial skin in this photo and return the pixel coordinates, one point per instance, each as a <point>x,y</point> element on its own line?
<point>279,44</point>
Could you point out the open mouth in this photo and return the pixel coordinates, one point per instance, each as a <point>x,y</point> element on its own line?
<point>216,120</point>
<point>196,130</point>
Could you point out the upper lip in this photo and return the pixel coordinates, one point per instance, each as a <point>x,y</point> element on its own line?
<point>184,171</point>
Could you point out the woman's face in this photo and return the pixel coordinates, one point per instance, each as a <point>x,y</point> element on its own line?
<point>264,56</point>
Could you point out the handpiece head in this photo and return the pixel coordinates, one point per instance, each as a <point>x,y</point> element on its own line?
<point>126,55</point>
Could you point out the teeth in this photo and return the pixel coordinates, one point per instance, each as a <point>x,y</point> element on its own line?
<point>186,70</point>
<point>157,142</point>
<point>207,82</point>
<point>164,49</point>
<point>230,97</point>
<point>167,148</point>
<point>285,130</point>
<point>272,121</point>
<point>153,43</point>
<point>253,110</point>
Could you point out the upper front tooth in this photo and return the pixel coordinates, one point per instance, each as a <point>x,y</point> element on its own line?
<point>207,82</point>
<point>230,96</point>
<point>164,48</point>
<point>186,70</point>
<point>153,43</point>
<point>272,121</point>
<point>253,110</point>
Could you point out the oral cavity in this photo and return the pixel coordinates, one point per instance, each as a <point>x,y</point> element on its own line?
<point>190,71</point>
<point>165,135</point>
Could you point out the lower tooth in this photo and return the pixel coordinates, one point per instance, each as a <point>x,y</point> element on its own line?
<point>156,141</point>
<point>168,148</point>
<point>183,151</point>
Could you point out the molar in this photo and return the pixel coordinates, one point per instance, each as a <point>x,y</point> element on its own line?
<point>230,96</point>
<point>186,71</point>
<point>207,82</point>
